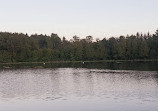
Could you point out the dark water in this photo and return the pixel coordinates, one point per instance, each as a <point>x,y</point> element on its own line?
<point>123,65</point>
<point>92,88</point>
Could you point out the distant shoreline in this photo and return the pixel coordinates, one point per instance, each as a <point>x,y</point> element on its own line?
<point>136,60</point>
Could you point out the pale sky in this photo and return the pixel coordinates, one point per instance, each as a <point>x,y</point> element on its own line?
<point>99,18</point>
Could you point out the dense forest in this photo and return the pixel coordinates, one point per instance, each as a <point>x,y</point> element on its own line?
<point>18,47</point>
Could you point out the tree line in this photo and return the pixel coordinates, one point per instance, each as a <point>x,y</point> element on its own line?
<point>19,47</point>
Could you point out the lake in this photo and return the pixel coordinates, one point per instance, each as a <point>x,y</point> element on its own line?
<point>114,86</point>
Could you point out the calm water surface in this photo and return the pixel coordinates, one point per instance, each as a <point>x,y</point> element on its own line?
<point>78,89</point>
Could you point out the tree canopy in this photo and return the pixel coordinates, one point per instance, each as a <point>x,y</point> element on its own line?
<point>19,47</point>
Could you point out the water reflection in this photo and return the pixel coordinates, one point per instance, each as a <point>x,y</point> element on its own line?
<point>66,82</point>
<point>124,65</point>
<point>69,83</point>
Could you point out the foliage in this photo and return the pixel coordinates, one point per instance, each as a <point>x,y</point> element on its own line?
<point>18,47</point>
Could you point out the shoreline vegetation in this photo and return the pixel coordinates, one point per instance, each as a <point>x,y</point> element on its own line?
<point>19,48</point>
